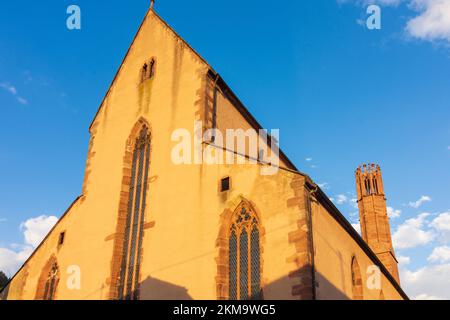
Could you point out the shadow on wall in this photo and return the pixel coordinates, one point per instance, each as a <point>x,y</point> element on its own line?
<point>328,291</point>
<point>281,289</point>
<point>285,288</point>
<point>154,289</point>
<point>150,289</point>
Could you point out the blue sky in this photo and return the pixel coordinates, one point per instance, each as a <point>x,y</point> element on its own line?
<point>341,95</point>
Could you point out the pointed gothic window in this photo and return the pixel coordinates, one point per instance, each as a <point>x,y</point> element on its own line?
<point>367,185</point>
<point>148,70</point>
<point>375,186</point>
<point>152,68</point>
<point>51,283</point>
<point>357,289</point>
<point>244,255</point>
<point>128,288</point>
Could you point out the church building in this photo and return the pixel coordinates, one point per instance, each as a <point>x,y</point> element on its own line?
<point>147,227</point>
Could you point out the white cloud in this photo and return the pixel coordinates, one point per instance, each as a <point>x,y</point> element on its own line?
<point>425,296</point>
<point>10,261</point>
<point>309,159</point>
<point>440,254</point>
<point>22,100</point>
<point>34,230</point>
<point>403,260</point>
<point>354,203</point>
<point>411,234</point>
<point>13,91</point>
<point>354,215</point>
<point>433,21</point>
<point>357,227</point>
<point>341,199</point>
<point>430,282</point>
<point>393,213</point>
<point>421,201</point>
<point>442,224</point>
<point>324,185</point>
<point>348,199</point>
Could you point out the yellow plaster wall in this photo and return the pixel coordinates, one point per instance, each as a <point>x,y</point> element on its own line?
<point>334,249</point>
<point>228,117</point>
<point>181,249</point>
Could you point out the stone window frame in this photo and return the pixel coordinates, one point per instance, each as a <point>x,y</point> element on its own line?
<point>148,70</point>
<point>118,246</point>
<point>222,245</point>
<point>45,277</point>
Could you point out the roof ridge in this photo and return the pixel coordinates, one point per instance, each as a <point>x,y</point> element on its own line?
<point>149,11</point>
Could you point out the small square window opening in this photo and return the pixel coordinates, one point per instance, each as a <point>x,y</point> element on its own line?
<point>225,184</point>
<point>62,235</point>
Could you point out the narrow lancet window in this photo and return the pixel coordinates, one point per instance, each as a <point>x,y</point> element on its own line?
<point>148,70</point>
<point>375,186</point>
<point>132,244</point>
<point>367,185</point>
<point>357,288</point>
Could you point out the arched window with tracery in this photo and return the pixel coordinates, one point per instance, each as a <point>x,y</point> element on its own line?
<point>128,287</point>
<point>47,284</point>
<point>357,289</point>
<point>51,283</point>
<point>244,255</point>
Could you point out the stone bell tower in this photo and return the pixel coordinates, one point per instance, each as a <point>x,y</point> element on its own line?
<point>375,228</point>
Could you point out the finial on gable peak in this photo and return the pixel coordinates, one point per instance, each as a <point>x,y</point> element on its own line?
<point>152,4</point>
